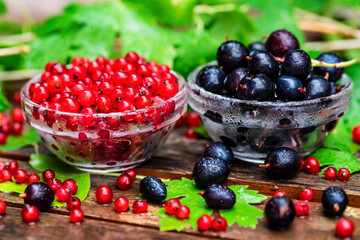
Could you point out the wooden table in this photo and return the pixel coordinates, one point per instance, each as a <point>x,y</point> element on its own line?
<point>175,160</point>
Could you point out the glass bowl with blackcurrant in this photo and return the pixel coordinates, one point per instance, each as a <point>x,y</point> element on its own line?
<point>270,95</point>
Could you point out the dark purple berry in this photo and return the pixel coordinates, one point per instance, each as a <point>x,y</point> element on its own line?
<point>40,195</point>
<point>209,170</point>
<point>231,55</point>
<point>280,212</point>
<point>211,78</point>
<point>256,46</point>
<point>334,73</point>
<point>219,197</point>
<point>334,201</point>
<point>220,150</point>
<point>317,87</point>
<point>153,189</point>
<point>280,42</point>
<point>232,80</point>
<point>264,62</point>
<point>260,88</point>
<point>297,63</point>
<point>289,88</point>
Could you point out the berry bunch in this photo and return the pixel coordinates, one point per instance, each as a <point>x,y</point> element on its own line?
<point>275,71</point>
<point>104,85</point>
<point>205,223</point>
<point>174,207</point>
<point>11,126</point>
<point>331,173</point>
<point>125,180</point>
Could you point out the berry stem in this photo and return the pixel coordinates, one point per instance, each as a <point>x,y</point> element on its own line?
<point>316,63</point>
<point>264,165</point>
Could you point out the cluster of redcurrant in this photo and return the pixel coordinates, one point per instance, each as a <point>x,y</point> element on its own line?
<point>331,173</point>
<point>11,126</point>
<point>104,85</point>
<point>190,120</point>
<point>205,223</point>
<point>104,194</point>
<point>301,207</point>
<point>174,207</point>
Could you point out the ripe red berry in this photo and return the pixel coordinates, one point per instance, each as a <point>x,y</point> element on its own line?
<point>21,176</point>
<point>87,98</point>
<point>125,105</point>
<point>132,57</point>
<point>312,165</point>
<point>105,88</point>
<point>302,164</point>
<point>63,194</point>
<point>104,194</point>
<point>2,207</point>
<point>140,206</point>
<point>103,103</point>
<point>17,115</point>
<point>330,173</point>
<point>172,206</point>
<point>204,223</point>
<point>344,228</point>
<point>48,175</point>
<point>16,129</point>
<point>69,105</point>
<point>167,89</point>
<point>131,172</point>
<point>356,134</point>
<point>124,181</point>
<point>142,102</point>
<point>41,93</point>
<point>72,185</point>
<point>7,175</point>
<point>191,134</point>
<point>121,204</point>
<point>30,213</point>
<point>3,166</point>
<point>1,176</point>
<point>301,209</point>
<point>3,138</point>
<point>279,193</point>
<point>183,212</point>
<point>306,194</point>
<point>73,203</point>
<point>54,184</point>
<point>76,215</point>
<point>33,178</point>
<point>55,84</point>
<point>219,224</point>
<point>343,174</point>
<point>193,119</point>
<point>13,166</point>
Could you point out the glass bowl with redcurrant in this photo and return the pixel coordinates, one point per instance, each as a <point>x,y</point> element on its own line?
<point>270,94</point>
<point>107,114</point>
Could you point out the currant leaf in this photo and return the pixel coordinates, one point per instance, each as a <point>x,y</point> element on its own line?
<point>242,213</point>
<point>15,142</point>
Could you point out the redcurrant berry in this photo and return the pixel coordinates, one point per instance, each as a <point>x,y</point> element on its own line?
<point>193,119</point>
<point>121,204</point>
<point>69,105</point>
<point>48,175</point>
<point>124,182</point>
<point>33,178</point>
<point>219,224</point>
<point>132,57</point>
<point>63,194</point>
<point>312,165</point>
<point>306,194</point>
<point>131,172</point>
<point>13,166</point>
<point>344,228</point>
<point>54,184</point>
<point>343,174</point>
<point>301,209</point>
<point>41,93</point>
<point>104,194</point>
<point>71,184</point>
<point>73,203</point>
<point>172,205</point>
<point>191,134</point>
<point>3,138</point>
<point>87,98</point>
<point>279,193</point>
<point>104,104</point>
<point>17,115</point>
<point>142,102</point>
<point>2,207</point>
<point>21,176</point>
<point>55,84</point>
<point>167,89</point>
<point>16,129</point>
<point>330,173</point>
<point>76,215</point>
<point>183,212</point>
<point>302,164</point>
<point>7,175</point>
<point>140,206</point>
<point>355,133</point>
<point>30,213</point>
<point>204,223</point>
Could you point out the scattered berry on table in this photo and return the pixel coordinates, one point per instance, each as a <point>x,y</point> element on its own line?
<point>63,194</point>
<point>183,212</point>
<point>21,176</point>
<point>282,163</point>
<point>17,115</point>
<point>2,207</point>
<point>334,201</point>
<point>33,178</point>
<point>48,175</point>
<point>306,194</point>
<point>330,173</point>
<point>343,174</point>
<point>140,206</point>
<point>121,204</point>
<point>30,213</point>
<point>355,133</point>
<point>312,165</point>
<point>279,193</point>
<point>209,170</point>
<point>71,184</point>
<point>76,215</point>
<point>344,228</point>
<point>7,175</point>
<point>124,181</point>
<point>104,194</point>
<point>153,189</point>
<point>280,212</point>
<point>301,209</point>
<point>204,223</point>
<point>131,172</point>
<point>193,119</point>
<point>219,197</point>
<point>54,184</point>
<point>302,165</point>
<point>172,205</point>
<point>73,203</point>
<point>219,224</point>
<point>219,150</point>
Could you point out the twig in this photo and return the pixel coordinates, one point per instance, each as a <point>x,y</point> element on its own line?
<point>317,63</point>
<point>334,45</point>
<point>19,74</point>
<point>17,39</point>
<point>14,50</point>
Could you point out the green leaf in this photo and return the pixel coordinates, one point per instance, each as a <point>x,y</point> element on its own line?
<point>242,213</point>
<point>12,187</point>
<point>4,104</point>
<point>63,171</point>
<point>15,142</point>
<point>337,159</point>
<point>3,8</point>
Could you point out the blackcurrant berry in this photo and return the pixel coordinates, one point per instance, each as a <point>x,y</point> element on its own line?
<point>219,197</point>
<point>256,46</point>
<point>231,55</point>
<point>280,42</point>
<point>317,87</point>
<point>260,88</point>
<point>39,194</point>
<point>289,88</point>
<point>232,80</point>
<point>264,62</point>
<point>152,188</point>
<point>297,63</point>
<point>334,201</point>
<point>283,162</point>
<point>280,212</point>
<point>209,170</point>
<point>219,150</point>
<point>211,79</point>
<point>334,73</point>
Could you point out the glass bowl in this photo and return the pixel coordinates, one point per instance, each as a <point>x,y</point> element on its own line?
<point>105,142</point>
<point>253,128</point>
